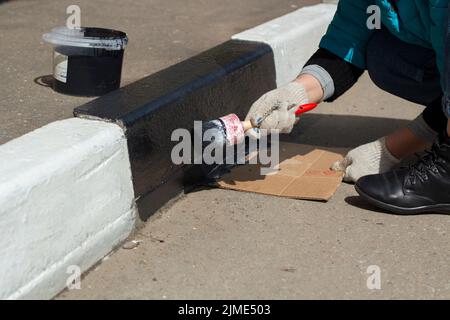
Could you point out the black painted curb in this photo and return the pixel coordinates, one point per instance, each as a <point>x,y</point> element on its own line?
<point>223,80</point>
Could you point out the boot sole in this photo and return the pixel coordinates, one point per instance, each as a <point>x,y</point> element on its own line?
<point>437,208</point>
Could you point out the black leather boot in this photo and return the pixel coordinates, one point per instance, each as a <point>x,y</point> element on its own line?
<point>423,187</point>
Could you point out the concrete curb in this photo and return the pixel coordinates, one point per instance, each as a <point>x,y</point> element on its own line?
<point>293,38</point>
<point>66,199</point>
<point>68,190</point>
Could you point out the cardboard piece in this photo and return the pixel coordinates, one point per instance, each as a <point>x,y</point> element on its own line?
<point>304,173</point>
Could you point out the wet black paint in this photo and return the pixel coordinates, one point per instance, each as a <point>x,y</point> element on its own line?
<point>223,80</point>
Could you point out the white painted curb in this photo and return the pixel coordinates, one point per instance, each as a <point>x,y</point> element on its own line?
<point>293,38</point>
<point>66,198</point>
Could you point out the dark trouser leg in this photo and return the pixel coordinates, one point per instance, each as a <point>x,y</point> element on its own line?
<point>409,72</point>
<point>446,104</point>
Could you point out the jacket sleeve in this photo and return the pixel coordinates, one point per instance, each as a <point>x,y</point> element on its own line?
<point>348,34</point>
<point>343,74</point>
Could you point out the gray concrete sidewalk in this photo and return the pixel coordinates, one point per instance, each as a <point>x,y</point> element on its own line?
<point>161,32</point>
<point>217,244</point>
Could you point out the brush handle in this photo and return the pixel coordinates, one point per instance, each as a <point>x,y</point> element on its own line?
<point>305,108</point>
<point>247,125</point>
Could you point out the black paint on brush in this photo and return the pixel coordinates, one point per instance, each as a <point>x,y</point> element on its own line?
<point>203,173</point>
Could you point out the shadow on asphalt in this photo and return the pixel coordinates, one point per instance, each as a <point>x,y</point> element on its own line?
<point>45,81</point>
<point>341,131</point>
<point>359,202</point>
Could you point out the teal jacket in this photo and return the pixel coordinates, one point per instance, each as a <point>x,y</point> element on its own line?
<point>420,22</point>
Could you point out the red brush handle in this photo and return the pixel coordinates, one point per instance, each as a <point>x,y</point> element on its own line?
<point>305,108</point>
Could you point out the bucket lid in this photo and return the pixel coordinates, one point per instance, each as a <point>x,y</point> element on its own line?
<point>87,38</point>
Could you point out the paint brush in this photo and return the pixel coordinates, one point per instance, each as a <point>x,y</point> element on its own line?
<point>229,130</point>
<point>221,134</point>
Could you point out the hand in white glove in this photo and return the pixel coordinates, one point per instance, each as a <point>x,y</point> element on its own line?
<point>371,158</point>
<point>286,99</point>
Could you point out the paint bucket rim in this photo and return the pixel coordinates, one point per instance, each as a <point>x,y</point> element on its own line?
<point>87,37</point>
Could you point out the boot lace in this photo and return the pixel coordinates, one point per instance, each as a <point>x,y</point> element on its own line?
<point>428,162</point>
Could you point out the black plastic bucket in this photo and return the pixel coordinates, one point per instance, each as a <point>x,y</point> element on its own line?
<point>86,61</point>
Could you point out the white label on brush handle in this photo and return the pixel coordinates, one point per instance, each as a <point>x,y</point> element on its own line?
<point>234,129</point>
<point>60,67</point>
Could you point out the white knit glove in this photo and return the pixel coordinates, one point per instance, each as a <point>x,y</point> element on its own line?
<point>286,99</point>
<point>371,158</point>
